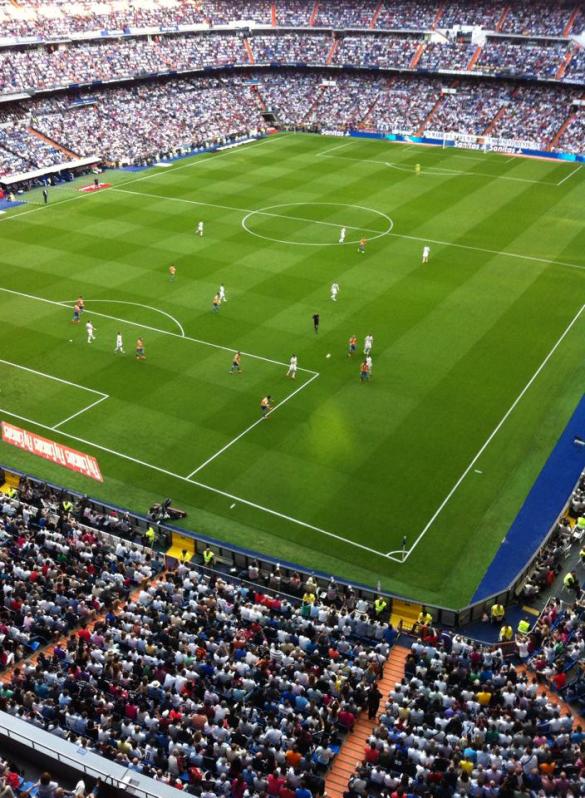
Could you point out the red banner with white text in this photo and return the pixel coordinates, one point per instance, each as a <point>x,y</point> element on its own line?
<point>51,450</point>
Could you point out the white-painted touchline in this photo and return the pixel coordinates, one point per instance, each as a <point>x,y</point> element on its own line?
<point>574,172</point>
<point>251,427</point>
<point>493,434</point>
<point>69,302</point>
<point>201,485</point>
<point>154,329</point>
<point>259,211</point>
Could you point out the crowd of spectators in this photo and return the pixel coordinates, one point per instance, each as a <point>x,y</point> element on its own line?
<point>310,48</point>
<point>573,137</point>
<point>465,721</point>
<point>149,120</point>
<point>22,151</point>
<point>518,17</point>
<point>204,683</point>
<point>376,51</point>
<point>56,572</point>
<point>49,66</point>
<point>439,56</point>
<point>133,125</point>
<point>515,58</point>
<point>471,108</point>
<point>535,114</point>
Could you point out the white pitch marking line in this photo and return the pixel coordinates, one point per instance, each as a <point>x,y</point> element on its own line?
<point>251,427</point>
<point>201,485</point>
<point>79,412</point>
<point>156,330</point>
<point>214,156</point>
<point>331,149</point>
<point>490,251</point>
<point>574,172</point>
<point>51,377</point>
<point>136,304</point>
<point>249,211</point>
<point>197,162</point>
<point>438,171</point>
<point>492,435</point>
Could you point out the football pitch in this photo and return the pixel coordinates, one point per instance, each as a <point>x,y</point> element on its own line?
<point>478,357</point>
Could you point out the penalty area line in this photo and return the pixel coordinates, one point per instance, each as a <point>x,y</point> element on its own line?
<point>155,329</point>
<point>202,485</point>
<point>251,427</point>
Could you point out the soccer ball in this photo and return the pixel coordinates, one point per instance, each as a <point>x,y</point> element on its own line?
<point>328,355</point>
<point>71,340</point>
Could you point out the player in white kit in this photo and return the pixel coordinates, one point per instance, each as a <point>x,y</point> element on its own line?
<point>119,344</point>
<point>199,230</point>
<point>342,233</point>
<point>90,329</point>
<point>334,291</point>
<point>292,368</point>
<point>370,364</point>
<point>426,254</point>
<point>368,344</point>
<point>221,292</point>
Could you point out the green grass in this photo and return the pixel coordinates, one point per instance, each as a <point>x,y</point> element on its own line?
<point>456,343</point>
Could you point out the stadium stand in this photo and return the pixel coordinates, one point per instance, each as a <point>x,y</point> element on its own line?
<point>465,720</point>
<point>178,675</point>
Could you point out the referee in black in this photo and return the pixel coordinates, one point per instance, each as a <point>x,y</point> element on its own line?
<point>316,322</point>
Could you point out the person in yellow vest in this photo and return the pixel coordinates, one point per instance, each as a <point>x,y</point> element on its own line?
<point>309,598</point>
<point>497,613</point>
<point>150,535</point>
<point>424,617</point>
<point>571,582</point>
<point>506,633</point>
<point>67,506</point>
<point>524,626</point>
<point>208,557</point>
<point>10,492</point>
<point>380,605</point>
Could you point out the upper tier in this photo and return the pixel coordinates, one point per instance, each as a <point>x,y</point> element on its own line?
<point>50,18</point>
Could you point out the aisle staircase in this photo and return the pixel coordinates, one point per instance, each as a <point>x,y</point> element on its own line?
<point>314,14</point>
<point>377,12</point>
<point>438,15</point>
<point>52,143</point>
<point>248,47</point>
<point>559,134</point>
<point>502,19</point>
<point>273,16</point>
<point>569,26</point>
<point>474,59</point>
<point>332,51</point>
<point>567,58</point>
<point>494,122</point>
<point>417,56</point>
<point>419,132</point>
<point>352,750</point>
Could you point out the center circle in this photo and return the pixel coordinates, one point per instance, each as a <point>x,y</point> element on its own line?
<point>353,213</point>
